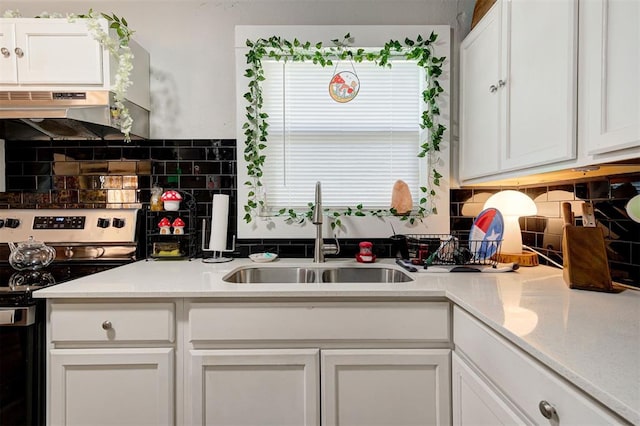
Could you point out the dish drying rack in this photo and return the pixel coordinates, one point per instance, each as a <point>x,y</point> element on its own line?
<point>452,249</point>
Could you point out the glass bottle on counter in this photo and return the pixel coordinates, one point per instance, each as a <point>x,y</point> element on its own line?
<point>156,204</point>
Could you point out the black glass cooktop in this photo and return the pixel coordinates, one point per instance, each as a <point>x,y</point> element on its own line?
<point>16,286</point>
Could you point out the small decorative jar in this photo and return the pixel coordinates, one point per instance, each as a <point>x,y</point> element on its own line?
<point>156,204</point>
<point>366,253</point>
<point>178,226</point>
<point>171,200</point>
<point>165,226</point>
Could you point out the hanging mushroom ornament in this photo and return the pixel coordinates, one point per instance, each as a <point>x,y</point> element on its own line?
<point>171,200</point>
<point>178,226</point>
<point>344,86</point>
<point>165,226</point>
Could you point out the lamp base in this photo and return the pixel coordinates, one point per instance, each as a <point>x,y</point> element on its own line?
<point>522,259</point>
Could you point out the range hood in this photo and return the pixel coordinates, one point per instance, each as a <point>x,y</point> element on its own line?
<point>75,115</point>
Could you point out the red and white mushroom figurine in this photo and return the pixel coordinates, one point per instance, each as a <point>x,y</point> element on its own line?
<point>178,226</point>
<point>171,200</point>
<point>165,226</point>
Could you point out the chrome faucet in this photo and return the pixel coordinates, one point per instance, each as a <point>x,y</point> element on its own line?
<point>320,248</point>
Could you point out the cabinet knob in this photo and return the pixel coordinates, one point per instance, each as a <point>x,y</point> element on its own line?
<point>5,52</point>
<point>19,52</point>
<point>502,83</point>
<point>107,325</point>
<point>493,88</point>
<point>547,410</point>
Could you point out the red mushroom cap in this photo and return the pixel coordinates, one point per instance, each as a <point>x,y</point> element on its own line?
<point>337,79</point>
<point>171,196</point>
<point>164,222</point>
<point>178,222</point>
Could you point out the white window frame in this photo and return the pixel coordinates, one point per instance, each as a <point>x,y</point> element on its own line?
<point>367,36</point>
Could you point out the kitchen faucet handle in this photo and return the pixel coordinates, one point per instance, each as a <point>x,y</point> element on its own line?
<point>332,248</point>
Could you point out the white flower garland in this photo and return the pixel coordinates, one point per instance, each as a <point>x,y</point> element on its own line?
<point>119,50</point>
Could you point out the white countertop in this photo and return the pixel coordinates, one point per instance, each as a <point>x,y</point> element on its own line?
<point>590,338</point>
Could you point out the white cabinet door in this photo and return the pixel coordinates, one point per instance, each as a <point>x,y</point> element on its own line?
<point>49,52</point>
<point>539,96</point>
<point>609,75</point>
<point>523,380</point>
<point>253,387</point>
<point>111,386</point>
<point>8,67</point>
<point>518,88</point>
<point>385,387</point>
<point>479,103</point>
<point>473,400</point>
<point>58,52</point>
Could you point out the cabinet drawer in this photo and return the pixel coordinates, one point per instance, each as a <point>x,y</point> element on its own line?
<point>112,322</point>
<point>320,322</point>
<point>523,380</point>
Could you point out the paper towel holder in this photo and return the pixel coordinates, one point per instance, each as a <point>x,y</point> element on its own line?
<point>217,254</point>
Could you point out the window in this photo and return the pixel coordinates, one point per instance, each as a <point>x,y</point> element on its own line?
<point>357,149</point>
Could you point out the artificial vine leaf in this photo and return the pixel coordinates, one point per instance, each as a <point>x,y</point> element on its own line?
<point>284,50</point>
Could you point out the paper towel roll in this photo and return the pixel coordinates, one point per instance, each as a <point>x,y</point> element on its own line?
<point>219,222</point>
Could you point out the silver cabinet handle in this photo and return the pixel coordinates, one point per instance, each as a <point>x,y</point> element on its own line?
<point>5,52</point>
<point>502,83</point>
<point>493,88</point>
<point>547,410</point>
<point>19,52</point>
<point>107,325</point>
<point>17,317</point>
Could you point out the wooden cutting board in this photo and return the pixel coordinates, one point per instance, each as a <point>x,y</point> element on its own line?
<point>584,256</point>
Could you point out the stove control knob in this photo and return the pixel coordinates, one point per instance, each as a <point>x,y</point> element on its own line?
<point>118,223</point>
<point>103,223</point>
<point>12,223</point>
<point>1,223</point>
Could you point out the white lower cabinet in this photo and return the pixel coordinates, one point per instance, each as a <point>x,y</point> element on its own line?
<point>318,363</point>
<point>291,387</point>
<point>474,402</point>
<point>494,382</point>
<point>385,387</point>
<point>111,363</point>
<point>254,387</point>
<point>112,386</point>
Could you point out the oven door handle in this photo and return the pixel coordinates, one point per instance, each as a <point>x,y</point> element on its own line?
<point>18,317</point>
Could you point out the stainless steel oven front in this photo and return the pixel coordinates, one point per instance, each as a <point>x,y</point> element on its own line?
<point>85,242</point>
<point>22,364</point>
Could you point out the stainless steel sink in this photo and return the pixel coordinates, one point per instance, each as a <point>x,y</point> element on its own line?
<point>297,275</point>
<point>251,275</point>
<point>364,275</point>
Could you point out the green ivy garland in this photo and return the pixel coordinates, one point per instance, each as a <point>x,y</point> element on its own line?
<point>256,125</point>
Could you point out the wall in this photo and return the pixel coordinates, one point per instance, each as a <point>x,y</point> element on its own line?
<point>82,174</point>
<point>191,45</point>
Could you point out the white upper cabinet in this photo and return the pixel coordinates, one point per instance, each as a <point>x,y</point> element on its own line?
<point>518,88</point>
<point>609,77</point>
<point>52,51</point>
<point>480,107</point>
<point>539,54</point>
<point>58,55</point>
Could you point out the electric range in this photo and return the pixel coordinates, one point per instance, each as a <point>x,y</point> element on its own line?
<point>85,242</point>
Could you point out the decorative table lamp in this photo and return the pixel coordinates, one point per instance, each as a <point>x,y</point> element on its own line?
<point>513,205</point>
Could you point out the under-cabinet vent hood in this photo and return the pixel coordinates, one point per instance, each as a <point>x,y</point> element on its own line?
<point>77,115</point>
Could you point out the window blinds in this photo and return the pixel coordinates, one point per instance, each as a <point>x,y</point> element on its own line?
<point>356,149</point>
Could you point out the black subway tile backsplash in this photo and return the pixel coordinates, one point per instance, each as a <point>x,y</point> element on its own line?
<point>544,231</point>
<point>65,174</point>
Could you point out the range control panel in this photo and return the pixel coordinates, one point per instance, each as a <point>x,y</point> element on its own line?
<point>68,225</point>
<point>59,222</point>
